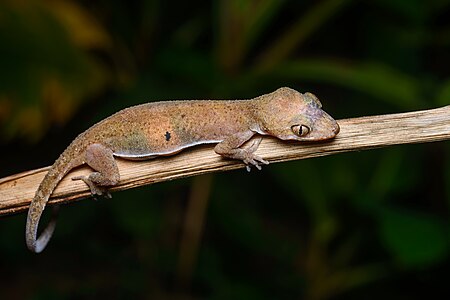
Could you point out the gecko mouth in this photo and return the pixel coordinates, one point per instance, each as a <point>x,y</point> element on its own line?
<point>325,134</point>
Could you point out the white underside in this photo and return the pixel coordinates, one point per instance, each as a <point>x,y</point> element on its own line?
<point>144,156</point>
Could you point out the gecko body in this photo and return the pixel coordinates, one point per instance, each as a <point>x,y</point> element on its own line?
<point>165,128</point>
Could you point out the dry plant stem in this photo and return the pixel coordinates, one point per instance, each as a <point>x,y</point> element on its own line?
<point>193,228</point>
<point>356,134</point>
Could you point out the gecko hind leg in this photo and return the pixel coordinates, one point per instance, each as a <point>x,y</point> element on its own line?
<point>101,160</point>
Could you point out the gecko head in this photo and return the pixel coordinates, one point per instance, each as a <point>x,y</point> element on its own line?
<point>290,115</point>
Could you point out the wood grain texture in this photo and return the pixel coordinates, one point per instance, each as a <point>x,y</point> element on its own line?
<point>356,134</point>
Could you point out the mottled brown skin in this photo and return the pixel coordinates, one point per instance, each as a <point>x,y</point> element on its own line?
<point>165,128</point>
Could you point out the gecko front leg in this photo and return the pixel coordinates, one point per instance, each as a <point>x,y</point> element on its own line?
<point>101,159</point>
<point>231,147</point>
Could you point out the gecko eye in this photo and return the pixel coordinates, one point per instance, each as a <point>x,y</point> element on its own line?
<point>300,130</point>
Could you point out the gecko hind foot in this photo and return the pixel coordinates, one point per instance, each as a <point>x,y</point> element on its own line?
<point>95,189</point>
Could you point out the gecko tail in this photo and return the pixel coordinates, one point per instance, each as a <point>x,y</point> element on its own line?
<point>35,244</point>
<point>37,206</point>
<point>59,169</point>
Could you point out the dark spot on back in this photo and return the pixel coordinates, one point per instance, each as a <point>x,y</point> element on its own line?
<point>167,135</point>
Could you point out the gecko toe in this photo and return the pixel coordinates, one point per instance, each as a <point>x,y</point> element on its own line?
<point>95,189</point>
<point>261,160</point>
<point>255,161</point>
<point>265,162</point>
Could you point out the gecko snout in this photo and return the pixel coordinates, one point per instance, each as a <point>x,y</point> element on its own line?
<point>336,129</point>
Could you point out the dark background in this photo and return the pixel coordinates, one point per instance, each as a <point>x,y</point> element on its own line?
<point>360,225</point>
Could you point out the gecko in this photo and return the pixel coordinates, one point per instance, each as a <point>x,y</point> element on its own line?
<point>165,128</point>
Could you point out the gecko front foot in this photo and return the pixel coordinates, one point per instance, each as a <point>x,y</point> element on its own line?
<point>95,189</point>
<point>254,160</point>
<point>231,148</point>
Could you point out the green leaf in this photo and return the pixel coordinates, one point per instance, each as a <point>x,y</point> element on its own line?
<point>415,240</point>
<point>306,26</point>
<point>46,72</point>
<point>443,96</point>
<point>139,218</point>
<point>241,23</point>
<point>310,193</point>
<point>414,10</point>
<point>375,79</point>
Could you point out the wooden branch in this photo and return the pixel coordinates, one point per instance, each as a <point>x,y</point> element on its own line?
<point>356,134</point>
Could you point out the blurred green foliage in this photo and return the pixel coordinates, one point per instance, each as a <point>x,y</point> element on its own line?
<point>350,226</point>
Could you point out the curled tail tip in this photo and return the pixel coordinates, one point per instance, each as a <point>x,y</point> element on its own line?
<point>38,245</point>
<point>34,247</point>
<point>35,244</point>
